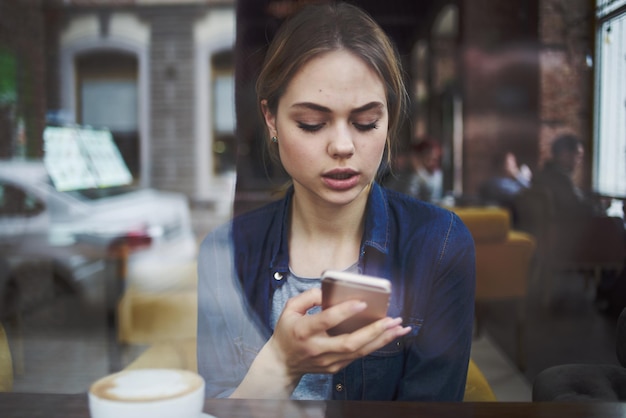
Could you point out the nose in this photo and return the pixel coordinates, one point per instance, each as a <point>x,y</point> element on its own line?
<point>341,143</point>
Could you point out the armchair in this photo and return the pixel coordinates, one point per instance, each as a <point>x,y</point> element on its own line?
<point>6,364</point>
<point>146,315</point>
<point>503,260</point>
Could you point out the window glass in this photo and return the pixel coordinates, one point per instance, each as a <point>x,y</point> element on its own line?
<point>110,103</point>
<point>610,131</point>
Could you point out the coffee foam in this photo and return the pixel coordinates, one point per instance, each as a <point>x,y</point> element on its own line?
<point>146,385</point>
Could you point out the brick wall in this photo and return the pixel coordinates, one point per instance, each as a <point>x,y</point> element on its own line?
<point>500,85</point>
<point>526,79</point>
<point>566,81</point>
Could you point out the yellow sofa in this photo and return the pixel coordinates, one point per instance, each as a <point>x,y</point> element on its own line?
<point>503,262</point>
<point>6,363</point>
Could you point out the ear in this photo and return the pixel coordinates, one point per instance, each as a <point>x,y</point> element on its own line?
<point>270,118</point>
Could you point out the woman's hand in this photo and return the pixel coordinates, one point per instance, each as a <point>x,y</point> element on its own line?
<point>301,344</point>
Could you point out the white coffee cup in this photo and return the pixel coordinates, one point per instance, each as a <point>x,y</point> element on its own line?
<point>151,393</point>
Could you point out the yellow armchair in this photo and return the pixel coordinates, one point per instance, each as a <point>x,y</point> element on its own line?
<point>6,363</point>
<point>503,262</point>
<point>146,315</point>
<point>503,255</point>
<point>477,388</point>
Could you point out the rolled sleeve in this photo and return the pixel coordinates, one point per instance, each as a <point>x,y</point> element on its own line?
<point>228,340</point>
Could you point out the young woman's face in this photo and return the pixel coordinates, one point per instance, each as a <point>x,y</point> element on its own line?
<point>331,125</point>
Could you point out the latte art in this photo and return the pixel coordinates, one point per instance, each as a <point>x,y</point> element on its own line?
<point>146,385</point>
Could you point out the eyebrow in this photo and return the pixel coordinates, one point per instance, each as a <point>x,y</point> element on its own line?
<point>324,109</point>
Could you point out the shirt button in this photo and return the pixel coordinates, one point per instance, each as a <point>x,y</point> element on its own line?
<point>278,276</point>
<point>339,387</point>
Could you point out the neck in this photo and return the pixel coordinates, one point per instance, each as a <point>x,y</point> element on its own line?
<point>325,236</point>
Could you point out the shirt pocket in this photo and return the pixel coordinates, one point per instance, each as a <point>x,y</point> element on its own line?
<point>382,370</point>
<point>415,324</point>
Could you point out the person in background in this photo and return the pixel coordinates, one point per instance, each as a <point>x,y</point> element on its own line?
<point>508,181</point>
<point>332,95</point>
<point>422,177</point>
<point>576,214</point>
<point>569,202</point>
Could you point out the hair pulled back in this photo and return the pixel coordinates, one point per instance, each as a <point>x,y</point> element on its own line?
<point>322,28</point>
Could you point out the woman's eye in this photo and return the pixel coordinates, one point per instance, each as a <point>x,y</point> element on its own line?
<point>366,127</point>
<point>310,128</point>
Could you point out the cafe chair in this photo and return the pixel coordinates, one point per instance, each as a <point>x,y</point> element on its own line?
<point>149,314</point>
<point>503,262</point>
<point>477,388</point>
<point>6,363</point>
<point>586,382</point>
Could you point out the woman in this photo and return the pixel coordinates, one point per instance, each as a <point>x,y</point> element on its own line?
<point>332,96</point>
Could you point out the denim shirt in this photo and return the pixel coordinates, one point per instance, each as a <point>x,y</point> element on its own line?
<point>425,251</point>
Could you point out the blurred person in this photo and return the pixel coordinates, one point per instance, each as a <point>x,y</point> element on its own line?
<point>574,222</point>
<point>332,96</point>
<point>570,203</point>
<point>421,177</point>
<point>508,180</point>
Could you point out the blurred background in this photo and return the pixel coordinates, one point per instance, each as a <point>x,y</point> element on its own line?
<point>129,129</point>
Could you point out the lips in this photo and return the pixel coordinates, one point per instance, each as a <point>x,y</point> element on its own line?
<point>340,176</point>
<point>341,179</point>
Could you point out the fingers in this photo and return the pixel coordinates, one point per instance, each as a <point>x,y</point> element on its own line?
<point>388,328</point>
<point>320,323</point>
<point>391,330</point>
<point>324,320</point>
<point>371,337</point>
<point>343,349</point>
<point>328,318</point>
<point>302,342</point>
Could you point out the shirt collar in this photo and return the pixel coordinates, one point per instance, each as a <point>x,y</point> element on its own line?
<point>280,257</point>
<point>377,221</point>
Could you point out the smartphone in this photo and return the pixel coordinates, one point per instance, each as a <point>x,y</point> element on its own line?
<point>340,286</point>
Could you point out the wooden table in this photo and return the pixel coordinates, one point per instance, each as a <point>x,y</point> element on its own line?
<point>31,405</point>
